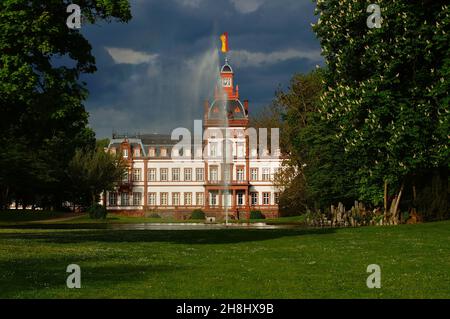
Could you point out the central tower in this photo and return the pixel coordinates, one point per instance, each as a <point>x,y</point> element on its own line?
<point>226,106</point>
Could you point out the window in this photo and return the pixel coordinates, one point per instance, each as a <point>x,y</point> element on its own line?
<point>124,199</point>
<point>152,174</point>
<point>254,199</point>
<point>188,174</point>
<point>163,152</point>
<point>175,199</point>
<point>137,174</point>
<point>152,199</point>
<point>125,177</point>
<point>137,152</point>
<point>188,199</point>
<point>213,174</point>
<point>199,199</point>
<point>213,149</point>
<point>226,173</point>
<point>240,174</point>
<point>240,150</point>
<point>240,199</point>
<point>199,174</point>
<point>164,198</point>
<point>213,199</point>
<point>151,152</point>
<point>266,198</point>
<point>137,199</point>
<point>125,153</point>
<point>266,174</point>
<point>254,174</point>
<point>175,174</point>
<point>276,198</point>
<point>164,172</point>
<point>112,199</point>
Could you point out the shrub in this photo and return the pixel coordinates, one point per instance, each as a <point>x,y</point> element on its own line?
<point>197,214</point>
<point>97,211</point>
<point>154,215</point>
<point>256,214</point>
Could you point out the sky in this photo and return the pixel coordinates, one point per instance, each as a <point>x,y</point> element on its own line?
<point>155,71</point>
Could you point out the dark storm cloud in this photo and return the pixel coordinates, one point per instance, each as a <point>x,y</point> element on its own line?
<point>154,72</point>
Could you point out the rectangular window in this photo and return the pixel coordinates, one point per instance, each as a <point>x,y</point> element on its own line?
<point>254,199</point>
<point>137,199</point>
<point>125,177</point>
<point>240,150</point>
<point>136,174</point>
<point>276,198</point>
<point>213,174</point>
<point>176,199</point>
<point>152,199</point>
<point>188,174</point>
<point>175,174</point>
<point>213,149</point>
<point>137,152</point>
<point>226,173</point>
<point>240,199</point>
<point>151,152</point>
<point>164,199</point>
<point>163,152</point>
<point>213,197</point>
<point>112,199</point>
<point>125,153</point>
<point>240,174</point>
<point>266,174</point>
<point>199,174</point>
<point>199,199</point>
<point>188,199</point>
<point>266,198</point>
<point>254,174</point>
<point>152,174</point>
<point>163,174</point>
<point>124,199</point>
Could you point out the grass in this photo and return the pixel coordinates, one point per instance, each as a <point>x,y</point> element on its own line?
<point>281,263</point>
<point>24,216</point>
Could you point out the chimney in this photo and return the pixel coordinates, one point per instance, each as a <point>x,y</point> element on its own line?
<point>246,105</point>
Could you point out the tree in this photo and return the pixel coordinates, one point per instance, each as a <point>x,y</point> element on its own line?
<point>43,117</point>
<point>92,172</point>
<point>387,93</point>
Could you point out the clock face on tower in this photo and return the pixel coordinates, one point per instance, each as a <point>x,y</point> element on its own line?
<point>226,82</point>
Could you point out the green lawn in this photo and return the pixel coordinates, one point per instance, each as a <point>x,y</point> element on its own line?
<point>290,263</point>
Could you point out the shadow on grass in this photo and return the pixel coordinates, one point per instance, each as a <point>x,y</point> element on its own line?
<point>225,236</point>
<point>35,276</point>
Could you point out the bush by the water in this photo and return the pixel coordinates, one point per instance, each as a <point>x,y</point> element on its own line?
<point>97,211</point>
<point>256,214</point>
<point>198,214</point>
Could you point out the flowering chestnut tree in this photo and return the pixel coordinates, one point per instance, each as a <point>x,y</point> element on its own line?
<point>387,90</point>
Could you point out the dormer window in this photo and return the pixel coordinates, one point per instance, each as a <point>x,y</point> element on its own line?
<point>137,152</point>
<point>151,152</point>
<point>125,153</point>
<point>163,152</point>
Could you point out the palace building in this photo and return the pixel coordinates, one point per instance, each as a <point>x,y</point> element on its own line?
<point>222,174</point>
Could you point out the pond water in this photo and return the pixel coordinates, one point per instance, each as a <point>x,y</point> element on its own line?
<point>151,226</point>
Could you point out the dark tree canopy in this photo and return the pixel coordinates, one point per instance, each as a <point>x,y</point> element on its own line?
<point>43,117</point>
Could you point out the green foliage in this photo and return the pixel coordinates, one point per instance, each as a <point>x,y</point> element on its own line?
<point>197,214</point>
<point>387,89</point>
<point>256,214</point>
<point>91,172</point>
<point>154,215</point>
<point>43,117</point>
<point>97,211</point>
